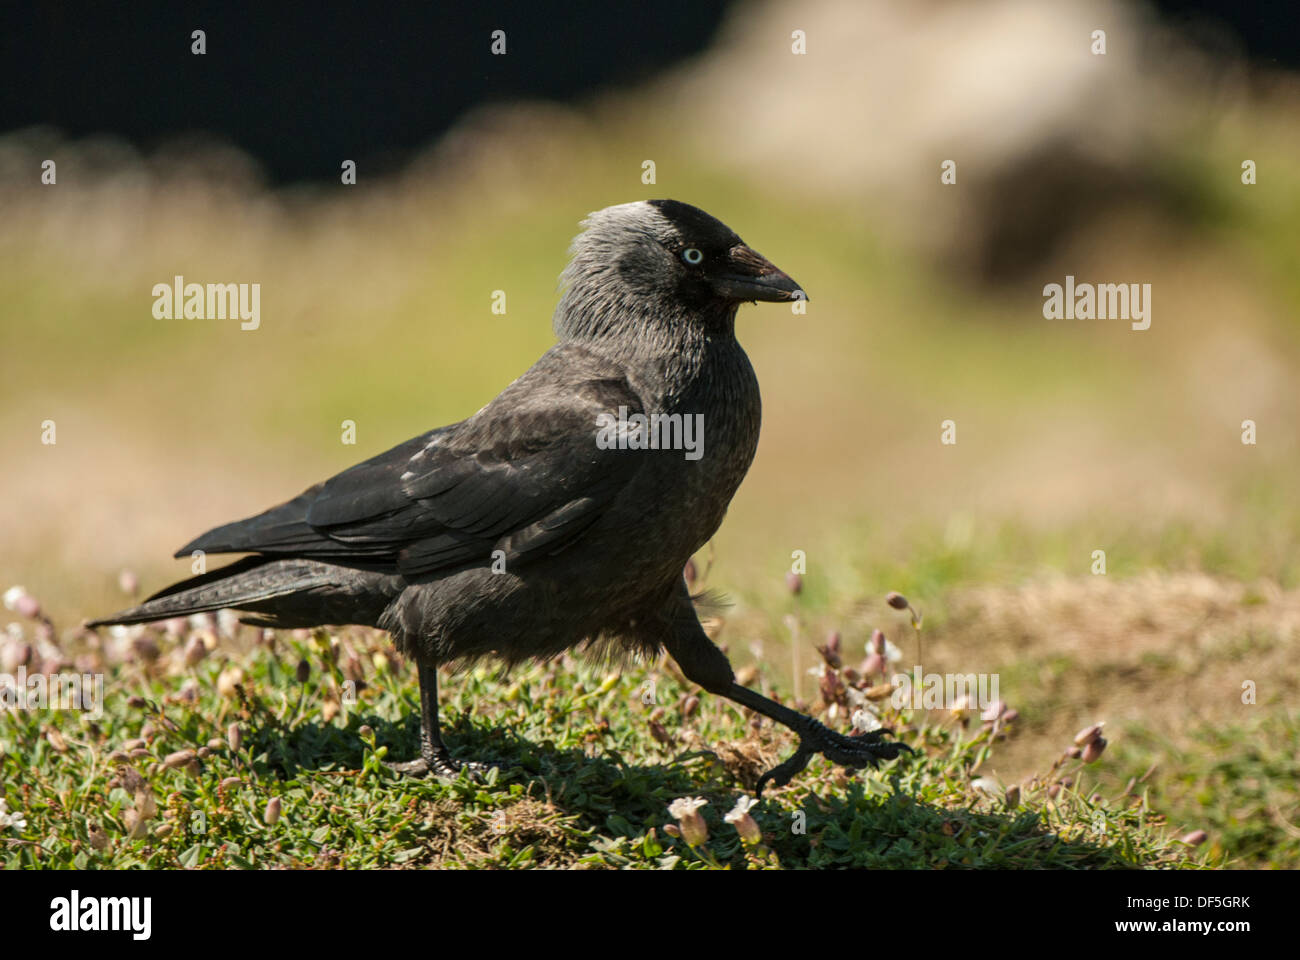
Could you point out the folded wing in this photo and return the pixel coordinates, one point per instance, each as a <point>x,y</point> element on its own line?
<point>524,475</point>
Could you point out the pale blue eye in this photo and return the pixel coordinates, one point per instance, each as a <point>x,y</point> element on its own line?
<point>692,256</point>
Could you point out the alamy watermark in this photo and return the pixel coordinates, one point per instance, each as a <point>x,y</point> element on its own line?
<point>944,691</point>
<point>54,691</point>
<point>1100,301</point>
<point>214,301</point>
<point>656,431</point>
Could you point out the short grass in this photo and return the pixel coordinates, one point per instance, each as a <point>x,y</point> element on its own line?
<point>182,765</point>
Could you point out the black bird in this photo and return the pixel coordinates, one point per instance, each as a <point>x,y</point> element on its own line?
<point>534,526</point>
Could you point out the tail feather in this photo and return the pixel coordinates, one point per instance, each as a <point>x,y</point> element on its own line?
<point>247,581</point>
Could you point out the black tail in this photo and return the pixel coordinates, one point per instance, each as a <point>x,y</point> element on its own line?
<point>243,583</point>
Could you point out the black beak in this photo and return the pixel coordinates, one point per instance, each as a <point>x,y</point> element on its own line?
<point>748,275</point>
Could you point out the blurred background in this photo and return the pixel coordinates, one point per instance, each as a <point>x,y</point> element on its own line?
<point>473,171</point>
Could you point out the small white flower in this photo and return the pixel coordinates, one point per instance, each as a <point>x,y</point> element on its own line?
<point>687,811</point>
<point>7,819</point>
<point>892,653</point>
<point>227,622</point>
<point>865,720</point>
<point>13,595</point>
<point>741,809</point>
<point>745,825</point>
<point>685,806</point>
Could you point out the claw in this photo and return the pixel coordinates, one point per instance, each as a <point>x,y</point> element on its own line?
<point>441,765</point>
<point>865,750</point>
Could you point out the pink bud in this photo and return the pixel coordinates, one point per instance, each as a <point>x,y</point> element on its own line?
<point>1094,749</point>
<point>1088,734</point>
<point>26,606</point>
<point>994,710</point>
<point>896,600</point>
<point>794,583</point>
<point>195,651</point>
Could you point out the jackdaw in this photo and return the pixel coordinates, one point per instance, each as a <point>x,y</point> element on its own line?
<point>560,514</point>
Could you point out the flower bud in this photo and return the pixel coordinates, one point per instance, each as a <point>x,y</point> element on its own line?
<point>145,804</point>
<point>961,708</point>
<point>1195,838</point>
<point>128,582</point>
<point>145,647</point>
<point>272,812</point>
<point>303,671</point>
<point>98,837</point>
<point>794,583</point>
<point>228,680</point>
<point>896,600</point>
<point>195,650</point>
<point>1088,734</point>
<point>1094,750</point>
<point>234,736</point>
<point>15,654</point>
<point>178,759</point>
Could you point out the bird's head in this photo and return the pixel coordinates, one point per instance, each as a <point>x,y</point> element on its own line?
<point>661,260</point>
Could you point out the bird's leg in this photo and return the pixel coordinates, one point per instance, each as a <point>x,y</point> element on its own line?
<point>434,757</point>
<point>866,750</point>
<point>705,664</point>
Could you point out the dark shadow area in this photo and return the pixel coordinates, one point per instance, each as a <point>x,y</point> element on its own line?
<point>617,798</point>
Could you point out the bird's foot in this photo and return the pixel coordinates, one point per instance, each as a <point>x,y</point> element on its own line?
<point>865,750</point>
<point>440,764</point>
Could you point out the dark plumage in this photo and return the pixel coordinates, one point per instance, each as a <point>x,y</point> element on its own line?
<point>513,533</point>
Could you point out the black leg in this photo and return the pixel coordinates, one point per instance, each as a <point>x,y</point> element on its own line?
<point>434,757</point>
<point>866,750</point>
<point>705,664</point>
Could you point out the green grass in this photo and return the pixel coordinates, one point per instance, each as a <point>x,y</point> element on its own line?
<point>1237,781</point>
<point>589,768</point>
